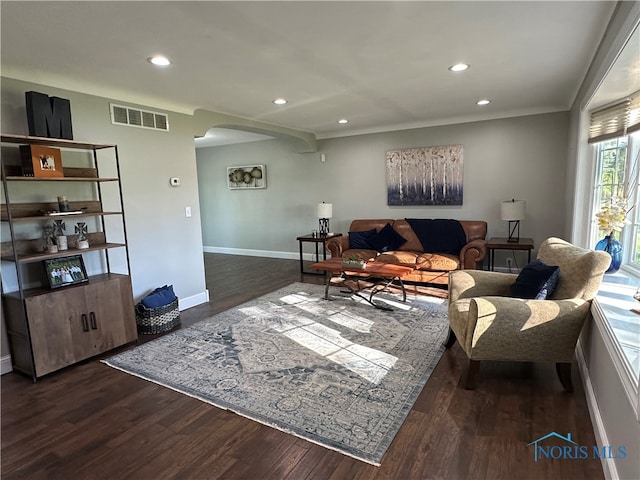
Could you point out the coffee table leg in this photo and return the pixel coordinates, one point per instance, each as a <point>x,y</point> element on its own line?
<point>404,290</point>
<point>328,276</point>
<point>375,290</point>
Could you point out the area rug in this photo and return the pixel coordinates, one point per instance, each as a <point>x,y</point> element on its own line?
<point>336,372</point>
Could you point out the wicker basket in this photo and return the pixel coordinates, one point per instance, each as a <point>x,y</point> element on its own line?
<point>157,320</point>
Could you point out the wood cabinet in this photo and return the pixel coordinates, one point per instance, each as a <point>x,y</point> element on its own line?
<point>49,329</point>
<point>72,324</point>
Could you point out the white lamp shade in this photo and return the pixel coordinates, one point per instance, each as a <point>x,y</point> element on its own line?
<point>513,210</point>
<point>325,210</point>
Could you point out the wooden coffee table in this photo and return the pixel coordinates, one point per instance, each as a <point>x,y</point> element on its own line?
<point>380,274</point>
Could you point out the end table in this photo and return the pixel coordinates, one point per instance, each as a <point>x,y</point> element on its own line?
<point>317,239</point>
<point>499,243</point>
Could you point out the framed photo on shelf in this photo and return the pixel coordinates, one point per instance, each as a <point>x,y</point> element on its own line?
<point>38,161</point>
<point>65,271</point>
<point>246,177</point>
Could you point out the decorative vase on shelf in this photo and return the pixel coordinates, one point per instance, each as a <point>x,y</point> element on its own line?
<point>613,247</point>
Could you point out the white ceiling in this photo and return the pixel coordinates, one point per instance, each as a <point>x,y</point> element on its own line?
<point>382,65</point>
<point>216,137</point>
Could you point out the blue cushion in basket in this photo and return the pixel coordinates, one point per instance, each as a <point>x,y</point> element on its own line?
<point>160,297</point>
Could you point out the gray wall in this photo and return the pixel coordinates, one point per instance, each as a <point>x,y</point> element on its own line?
<point>521,157</point>
<point>165,247</point>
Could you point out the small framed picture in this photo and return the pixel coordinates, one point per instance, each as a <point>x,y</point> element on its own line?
<point>38,161</point>
<point>65,271</point>
<point>246,177</point>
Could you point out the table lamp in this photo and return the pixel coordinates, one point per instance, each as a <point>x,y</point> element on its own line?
<point>325,212</point>
<point>513,211</point>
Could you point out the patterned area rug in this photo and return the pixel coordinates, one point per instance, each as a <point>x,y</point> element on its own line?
<point>338,373</point>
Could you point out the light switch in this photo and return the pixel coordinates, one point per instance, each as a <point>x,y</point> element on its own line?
<point>187,212</point>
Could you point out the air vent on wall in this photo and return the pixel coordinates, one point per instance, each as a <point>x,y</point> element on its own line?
<point>135,117</point>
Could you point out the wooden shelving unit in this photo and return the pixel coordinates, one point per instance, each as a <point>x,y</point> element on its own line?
<point>51,329</point>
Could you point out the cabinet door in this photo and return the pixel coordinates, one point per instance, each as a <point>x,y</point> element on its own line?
<point>53,323</point>
<point>109,309</point>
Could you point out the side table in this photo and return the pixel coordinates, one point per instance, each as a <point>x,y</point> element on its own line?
<point>317,239</point>
<point>500,243</point>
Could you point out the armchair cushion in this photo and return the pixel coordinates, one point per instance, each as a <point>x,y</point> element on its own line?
<point>360,239</point>
<point>479,283</point>
<point>386,239</point>
<point>536,281</point>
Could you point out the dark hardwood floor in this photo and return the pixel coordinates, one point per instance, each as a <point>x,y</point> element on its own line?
<point>91,421</point>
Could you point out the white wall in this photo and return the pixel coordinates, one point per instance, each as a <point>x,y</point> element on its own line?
<point>164,246</point>
<point>521,157</point>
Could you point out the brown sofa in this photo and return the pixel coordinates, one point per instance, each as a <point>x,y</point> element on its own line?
<point>428,267</point>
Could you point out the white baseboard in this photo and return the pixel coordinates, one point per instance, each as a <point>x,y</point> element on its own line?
<point>192,301</point>
<point>5,365</point>
<point>608,464</point>
<point>261,253</point>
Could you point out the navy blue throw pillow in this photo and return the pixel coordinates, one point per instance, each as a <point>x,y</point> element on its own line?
<point>359,239</point>
<point>536,281</point>
<point>160,297</point>
<point>387,239</point>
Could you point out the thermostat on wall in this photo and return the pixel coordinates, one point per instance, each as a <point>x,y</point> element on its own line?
<point>174,181</point>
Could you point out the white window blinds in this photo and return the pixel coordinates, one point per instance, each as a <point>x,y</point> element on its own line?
<point>616,120</point>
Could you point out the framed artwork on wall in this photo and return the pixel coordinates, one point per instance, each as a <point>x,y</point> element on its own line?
<point>246,177</point>
<point>425,176</point>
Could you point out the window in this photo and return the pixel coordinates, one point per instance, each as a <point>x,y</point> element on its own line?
<point>617,173</point>
<point>615,131</point>
<point>633,230</point>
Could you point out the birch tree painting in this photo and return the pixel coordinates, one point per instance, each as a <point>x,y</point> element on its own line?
<point>425,176</point>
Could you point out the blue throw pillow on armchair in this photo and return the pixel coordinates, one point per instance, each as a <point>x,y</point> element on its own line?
<point>387,239</point>
<point>536,281</point>
<point>360,239</point>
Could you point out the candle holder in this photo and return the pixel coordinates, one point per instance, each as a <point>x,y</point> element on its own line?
<point>81,230</point>
<point>58,232</point>
<point>49,244</point>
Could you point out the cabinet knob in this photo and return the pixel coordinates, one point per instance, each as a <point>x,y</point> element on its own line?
<point>85,322</point>
<point>92,318</point>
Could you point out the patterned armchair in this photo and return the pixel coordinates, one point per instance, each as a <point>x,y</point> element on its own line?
<point>490,325</point>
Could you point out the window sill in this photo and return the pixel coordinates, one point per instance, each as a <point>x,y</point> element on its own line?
<point>620,328</point>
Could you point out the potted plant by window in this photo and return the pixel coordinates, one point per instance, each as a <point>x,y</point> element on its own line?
<point>611,218</point>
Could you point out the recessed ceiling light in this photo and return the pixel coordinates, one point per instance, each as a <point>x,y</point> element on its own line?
<point>483,102</point>
<point>459,67</point>
<point>342,121</point>
<point>159,60</point>
<point>280,101</point>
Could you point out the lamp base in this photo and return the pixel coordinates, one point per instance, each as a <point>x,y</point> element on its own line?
<point>324,227</point>
<point>514,231</point>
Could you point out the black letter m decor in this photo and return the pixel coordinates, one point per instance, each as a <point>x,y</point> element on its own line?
<point>48,116</point>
